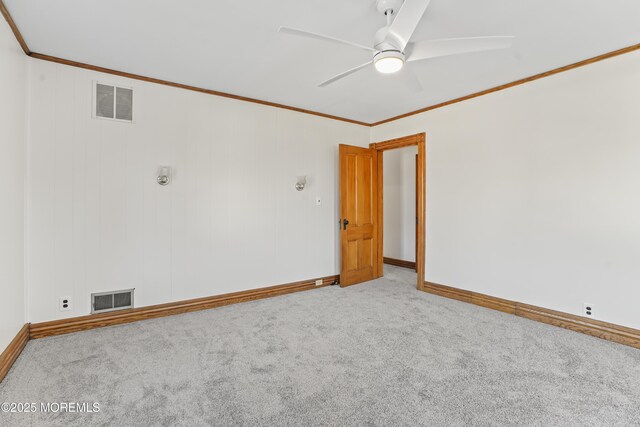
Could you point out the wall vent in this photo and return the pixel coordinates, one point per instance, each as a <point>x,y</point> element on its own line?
<point>112,102</point>
<point>111,301</point>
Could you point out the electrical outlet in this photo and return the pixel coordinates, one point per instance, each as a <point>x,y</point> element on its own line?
<point>588,310</point>
<point>318,201</point>
<point>65,304</point>
<point>319,282</point>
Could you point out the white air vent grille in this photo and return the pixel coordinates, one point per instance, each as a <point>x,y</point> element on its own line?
<point>110,301</point>
<point>112,102</point>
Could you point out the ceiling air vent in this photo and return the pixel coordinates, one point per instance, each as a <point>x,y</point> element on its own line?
<point>112,102</point>
<point>110,301</point>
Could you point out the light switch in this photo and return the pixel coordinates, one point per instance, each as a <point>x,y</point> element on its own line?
<point>318,201</point>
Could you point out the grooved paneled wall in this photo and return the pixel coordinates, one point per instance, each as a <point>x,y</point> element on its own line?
<point>13,92</point>
<point>230,220</point>
<point>532,192</point>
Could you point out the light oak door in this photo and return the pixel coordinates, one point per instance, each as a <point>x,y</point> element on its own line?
<point>358,214</point>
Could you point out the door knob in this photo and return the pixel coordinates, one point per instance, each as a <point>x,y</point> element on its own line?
<point>345,222</point>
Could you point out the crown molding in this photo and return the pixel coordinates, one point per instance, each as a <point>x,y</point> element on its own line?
<point>187,87</point>
<point>529,79</point>
<point>535,77</point>
<point>14,28</point>
<point>29,52</point>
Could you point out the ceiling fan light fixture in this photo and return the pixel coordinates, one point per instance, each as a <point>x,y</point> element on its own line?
<point>389,61</point>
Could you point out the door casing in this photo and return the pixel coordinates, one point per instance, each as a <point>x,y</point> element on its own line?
<point>418,140</point>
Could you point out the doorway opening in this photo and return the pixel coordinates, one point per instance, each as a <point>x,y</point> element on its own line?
<point>400,215</point>
<point>401,204</point>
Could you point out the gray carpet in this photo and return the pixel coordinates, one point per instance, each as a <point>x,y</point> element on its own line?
<point>379,353</point>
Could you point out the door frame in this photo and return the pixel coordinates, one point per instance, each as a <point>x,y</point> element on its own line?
<point>418,140</point>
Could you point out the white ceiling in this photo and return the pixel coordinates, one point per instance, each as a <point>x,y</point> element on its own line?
<point>234,46</point>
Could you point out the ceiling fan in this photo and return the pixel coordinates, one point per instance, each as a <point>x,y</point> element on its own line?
<point>392,46</point>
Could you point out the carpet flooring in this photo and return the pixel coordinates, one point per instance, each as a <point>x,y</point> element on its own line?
<point>380,353</point>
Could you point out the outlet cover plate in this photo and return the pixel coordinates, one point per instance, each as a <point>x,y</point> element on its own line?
<point>65,303</point>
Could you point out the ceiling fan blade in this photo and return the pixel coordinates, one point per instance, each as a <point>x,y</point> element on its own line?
<point>345,74</point>
<point>405,22</point>
<point>417,51</point>
<point>301,33</point>
<point>410,80</point>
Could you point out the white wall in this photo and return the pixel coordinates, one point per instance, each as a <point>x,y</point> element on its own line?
<point>529,192</point>
<point>532,192</point>
<point>231,219</point>
<point>399,182</point>
<point>13,91</point>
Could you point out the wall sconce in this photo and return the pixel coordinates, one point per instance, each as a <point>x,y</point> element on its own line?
<point>302,181</point>
<point>164,175</point>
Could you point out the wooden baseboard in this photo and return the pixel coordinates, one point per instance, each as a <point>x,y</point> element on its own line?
<point>13,350</point>
<point>596,328</point>
<point>447,292</point>
<point>399,263</point>
<point>82,323</point>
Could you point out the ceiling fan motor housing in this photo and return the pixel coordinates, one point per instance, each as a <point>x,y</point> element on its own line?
<point>388,8</point>
<point>379,40</point>
<point>390,53</point>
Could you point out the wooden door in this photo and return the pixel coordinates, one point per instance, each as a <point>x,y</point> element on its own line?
<point>358,214</point>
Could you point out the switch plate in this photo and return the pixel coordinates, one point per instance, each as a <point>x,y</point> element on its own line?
<point>318,201</point>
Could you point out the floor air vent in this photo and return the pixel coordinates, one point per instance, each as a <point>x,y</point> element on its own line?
<point>110,301</point>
